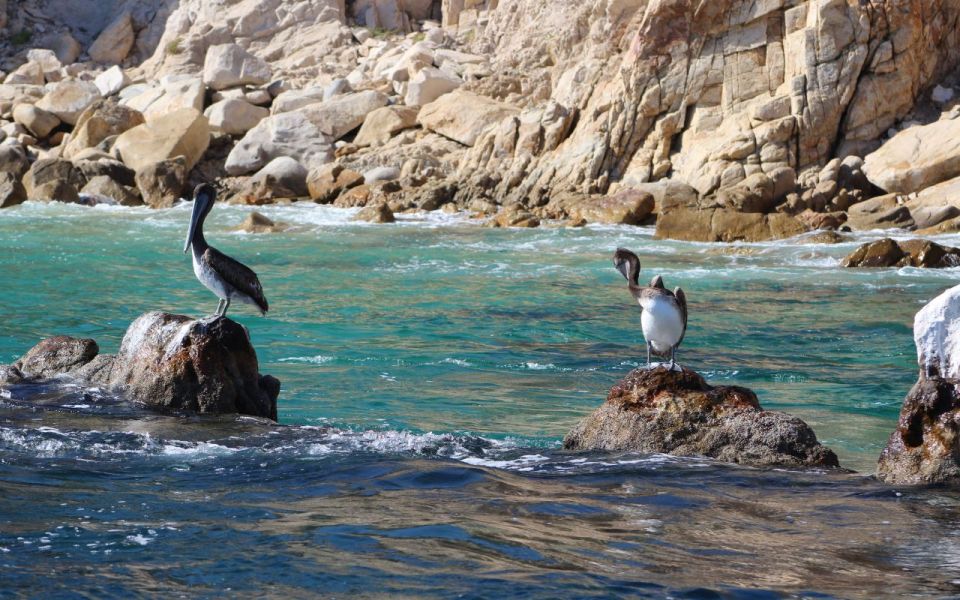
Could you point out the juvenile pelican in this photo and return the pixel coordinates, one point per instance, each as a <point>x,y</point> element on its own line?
<point>222,275</point>
<point>664,313</point>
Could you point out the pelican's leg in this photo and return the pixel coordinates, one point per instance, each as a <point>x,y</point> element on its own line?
<point>225,307</point>
<point>648,355</point>
<point>219,308</point>
<point>673,357</point>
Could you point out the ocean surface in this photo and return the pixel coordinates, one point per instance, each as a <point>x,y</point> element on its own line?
<point>430,369</point>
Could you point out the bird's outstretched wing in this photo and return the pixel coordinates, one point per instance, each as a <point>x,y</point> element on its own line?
<point>238,275</point>
<point>682,303</point>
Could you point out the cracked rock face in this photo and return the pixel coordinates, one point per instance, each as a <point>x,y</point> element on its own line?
<point>677,412</point>
<point>166,362</point>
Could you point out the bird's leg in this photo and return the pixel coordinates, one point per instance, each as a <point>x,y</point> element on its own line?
<point>225,307</point>
<point>219,308</point>
<point>648,354</point>
<point>673,358</point>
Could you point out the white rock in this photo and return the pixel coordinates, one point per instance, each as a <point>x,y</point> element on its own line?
<point>111,81</point>
<point>68,99</point>
<point>435,36</point>
<point>936,332</point>
<point>229,65</point>
<point>258,97</point>
<point>286,134</point>
<point>234,116</point>
<point>286,171</point>
<point>38,121</point>
<point>181,133</point>
<point>342,114</point>
<point>48,61</point>
<point>428,85</point>
<point>114,42</point>
<point>941,95</point>
<point>336,87</point>
<point>29,73</point>
<point>294,99</point>
<point>178,93</point>
<point>461,58</point>
<point>916,157</point>
<point>381,174</point>
<point>462,116</point>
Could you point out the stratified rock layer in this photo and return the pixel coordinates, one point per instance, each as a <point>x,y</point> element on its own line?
<point>677,412</point>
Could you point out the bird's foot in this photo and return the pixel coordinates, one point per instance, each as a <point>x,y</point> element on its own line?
<point>675,366</point>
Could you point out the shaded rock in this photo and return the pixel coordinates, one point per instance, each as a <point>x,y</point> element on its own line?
<point>929,216</point>
<point>13,160</point>
<point>181,133</point>
<point>37,121</point>
<point>381,124</point>
<point>103,185</point>
<point>101,120</point>
<point>229,65</point>
<point>948,226</point>
<point>925,447</point>
<point>161,183</point>
<point>66,48</point>
<point>325,183</point>
<point>514,216</point>
<point>911,253</point>
<point>915,158</point>
<point>53,179</point>
<point>376,213</point>
<point>175,363</point>
<point>755,194</point>
<point>68,99</point>
<point>677,412</point>
<point>882,212</point>
<point>234,116</point>
<point>114,42</point>
<point>114,169</point>
<point>10,375</point>
<point>462,116</point>
<point>722,225</point>
<point>258,223</point>
<point>282,177</point>
<point>12,191</point>
<point>820,220</point>
<point>58,355</point>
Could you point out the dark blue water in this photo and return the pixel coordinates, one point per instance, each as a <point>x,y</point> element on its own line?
<point>429,371</point>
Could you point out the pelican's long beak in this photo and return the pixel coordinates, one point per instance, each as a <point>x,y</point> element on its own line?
<point>194,219</point>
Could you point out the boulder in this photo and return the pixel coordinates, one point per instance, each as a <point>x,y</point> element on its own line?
<point>755,194</point>
<point>234,116</point>
<point>724,225</point>
<point>161,183</point>
<point>12,191</point>
<point>48,61</point>
<point>376,213</point>
<point>229,65</point>
<point>68,99</point>
<point>53,179</point>
<point>37,121</point>
<point>114,42</point>
<point>174,94</point>
<point>882,212</point>
<point>428,85</point>
<point>325,183</point>
<point>57,356</point>
<point>294,99</point>
<point>916,157</point>
<point>101,120</point>
<point>64,46</point>
<point>181,133</point>
<point>911,253</point>
<point>925,447</point>
<point>105,187</point>
<point>258,223</point>
<point>462,116</point>
<point>340,115</point>
<point>284,176</point>
<point>937,337</point>
<point>381,124</point>
<point>29,73</point>
<point>628,206</point>
<point>111,81</point>
<point>381,174</point>
<point>658,410</point>
<point>114,169</point>
<point>514,216</point>
<point>287,134</point>
<point>13,160</point>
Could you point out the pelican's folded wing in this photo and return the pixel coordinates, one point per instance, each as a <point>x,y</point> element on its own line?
<point>238,275</point>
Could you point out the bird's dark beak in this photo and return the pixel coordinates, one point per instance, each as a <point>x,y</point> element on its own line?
<point>194,219</point>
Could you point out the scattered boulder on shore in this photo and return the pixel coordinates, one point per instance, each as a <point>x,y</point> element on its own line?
<point>166,362</point>
<point>677,412</point>
<point>911,253</point>
<point>925,447</point>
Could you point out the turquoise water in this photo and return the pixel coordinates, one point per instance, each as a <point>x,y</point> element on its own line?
<point>429,370</point>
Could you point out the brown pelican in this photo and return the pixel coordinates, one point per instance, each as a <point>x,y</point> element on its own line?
<point>664,313</point>
<point>222,275</point>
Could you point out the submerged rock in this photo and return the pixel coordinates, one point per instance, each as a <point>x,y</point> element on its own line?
<point>677,412</point>
<point>166,362</point>
<point>887,252</point>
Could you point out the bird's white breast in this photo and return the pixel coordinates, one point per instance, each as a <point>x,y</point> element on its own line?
<point>661,322</point>
<point>209,278</point>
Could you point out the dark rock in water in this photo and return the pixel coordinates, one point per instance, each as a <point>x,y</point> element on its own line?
<point>166,362</point>
<point>258,223</point>
<point>910,253</point>
<point>161,184</point>
<point>58,355</point>
<point>925,448</point>
<point>677,412</point>
<point>12,191</point>
<point>175,363</point>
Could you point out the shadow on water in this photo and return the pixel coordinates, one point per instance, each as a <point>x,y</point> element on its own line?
<point>140,504</point>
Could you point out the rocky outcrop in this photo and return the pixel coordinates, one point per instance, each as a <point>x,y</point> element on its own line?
<point>887,252</point>
<point>166,362</point>
<point>925,447</point>
<point>909,162</point>
<point>724,225</point>
<point>677,412</point>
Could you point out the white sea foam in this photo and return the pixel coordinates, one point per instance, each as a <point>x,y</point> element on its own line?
<point>319,359</point>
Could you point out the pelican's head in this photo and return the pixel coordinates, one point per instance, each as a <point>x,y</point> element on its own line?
<point>203,198</point>
<point>628,264</point>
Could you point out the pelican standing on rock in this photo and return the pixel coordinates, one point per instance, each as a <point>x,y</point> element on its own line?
<point>664,313</point>
<point>222,275</point>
